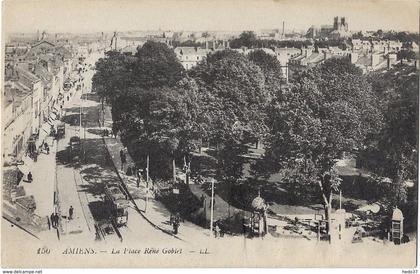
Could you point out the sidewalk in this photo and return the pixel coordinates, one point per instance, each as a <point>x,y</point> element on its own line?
<point>156,213</point>
<point>42,186</point>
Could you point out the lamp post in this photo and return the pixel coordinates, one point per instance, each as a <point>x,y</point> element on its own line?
<point>211,207</point>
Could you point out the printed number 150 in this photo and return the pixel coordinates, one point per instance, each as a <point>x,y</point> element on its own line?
<point>43,251</point>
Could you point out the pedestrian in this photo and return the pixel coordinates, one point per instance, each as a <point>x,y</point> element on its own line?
<point>48,222</point>
<point>30,178</point>
<point>217,231</point>
<point>175,223</point>
<point>71,212</point>
<point>52,217</point>
<point>47,148</point>
<point>56,219</point>
<point>202,200</point>
<point>138,174</point>
<point>123,159</point>
<point>68,98</point>
<point>129,171</point>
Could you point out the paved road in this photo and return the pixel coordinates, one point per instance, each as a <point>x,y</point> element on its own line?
<point>82,185</point>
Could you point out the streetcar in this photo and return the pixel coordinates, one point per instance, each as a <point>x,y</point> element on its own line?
<point>116,204</point>
<point>61,130</point>
<point>74,147</point>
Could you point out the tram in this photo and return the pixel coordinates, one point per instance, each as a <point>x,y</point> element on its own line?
<point>117,204</point>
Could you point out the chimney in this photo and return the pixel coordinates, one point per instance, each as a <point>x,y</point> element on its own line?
<point>282,33</point>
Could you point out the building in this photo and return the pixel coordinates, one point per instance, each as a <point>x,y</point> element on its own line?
<point>339,29</point>
<point>17,124</point>
<point>373,61</point>
<point>190,56</point>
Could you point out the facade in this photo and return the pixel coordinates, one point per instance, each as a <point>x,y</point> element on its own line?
<point>34,78</point>
<point>18,127</point>
<point>190,56</point>
<point>34,84</point>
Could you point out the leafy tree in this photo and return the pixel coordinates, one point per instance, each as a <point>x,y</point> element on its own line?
<point>246,39</point>
<point>153,105</point>
<point>188,43</point>
<point>395,151</point>
<point>271,69</point>
<point>329,110</point>
<point>233,95</point>
<point>113,74</point>
<point>233,98</point>
<point>157,65</point>
<point>249,39</point>
<point>406,54</point>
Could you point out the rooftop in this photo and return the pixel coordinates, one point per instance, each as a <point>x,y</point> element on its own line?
<point>190,51</point>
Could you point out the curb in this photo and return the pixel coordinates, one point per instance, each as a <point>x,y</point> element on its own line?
<point>131,198</point>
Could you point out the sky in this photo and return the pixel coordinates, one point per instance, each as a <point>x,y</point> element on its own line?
<point>228,15</point>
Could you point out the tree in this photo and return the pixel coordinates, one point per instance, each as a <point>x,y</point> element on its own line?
<point>246,39</point>
<point>152,103</point>
<point>395,149</point>
<point>157,66</point>
<point>233,98</point>
<point>271,69</point>
<point>329,110</point>
<point>113,75</point>
<point>406,54</point>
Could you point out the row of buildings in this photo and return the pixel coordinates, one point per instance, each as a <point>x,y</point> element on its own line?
<point>366,54</point>
<point>35,76</point>
<point>39,74</point>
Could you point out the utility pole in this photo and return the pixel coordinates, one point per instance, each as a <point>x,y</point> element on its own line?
<point>340,199</point>
<point>211,208</point>
<point>147,170</point>
<point>80,115</point>
<point>147,183</point>
<point>174,168</point>
<point>147,200</point>
<point>84,125</point>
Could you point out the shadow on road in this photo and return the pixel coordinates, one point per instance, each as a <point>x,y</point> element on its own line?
<point>98,210</point>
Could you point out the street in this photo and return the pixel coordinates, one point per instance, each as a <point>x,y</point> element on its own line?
<point>81,184</point>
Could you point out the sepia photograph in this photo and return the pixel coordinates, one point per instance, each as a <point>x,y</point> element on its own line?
<point>196,133</point>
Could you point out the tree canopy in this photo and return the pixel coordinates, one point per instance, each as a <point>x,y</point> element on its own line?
<point>157,66</point>
<point>233,95</point>
<point>329,110</point>
<point>271,69</point>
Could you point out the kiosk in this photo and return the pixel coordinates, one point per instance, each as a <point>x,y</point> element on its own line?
<point>397,226</point>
